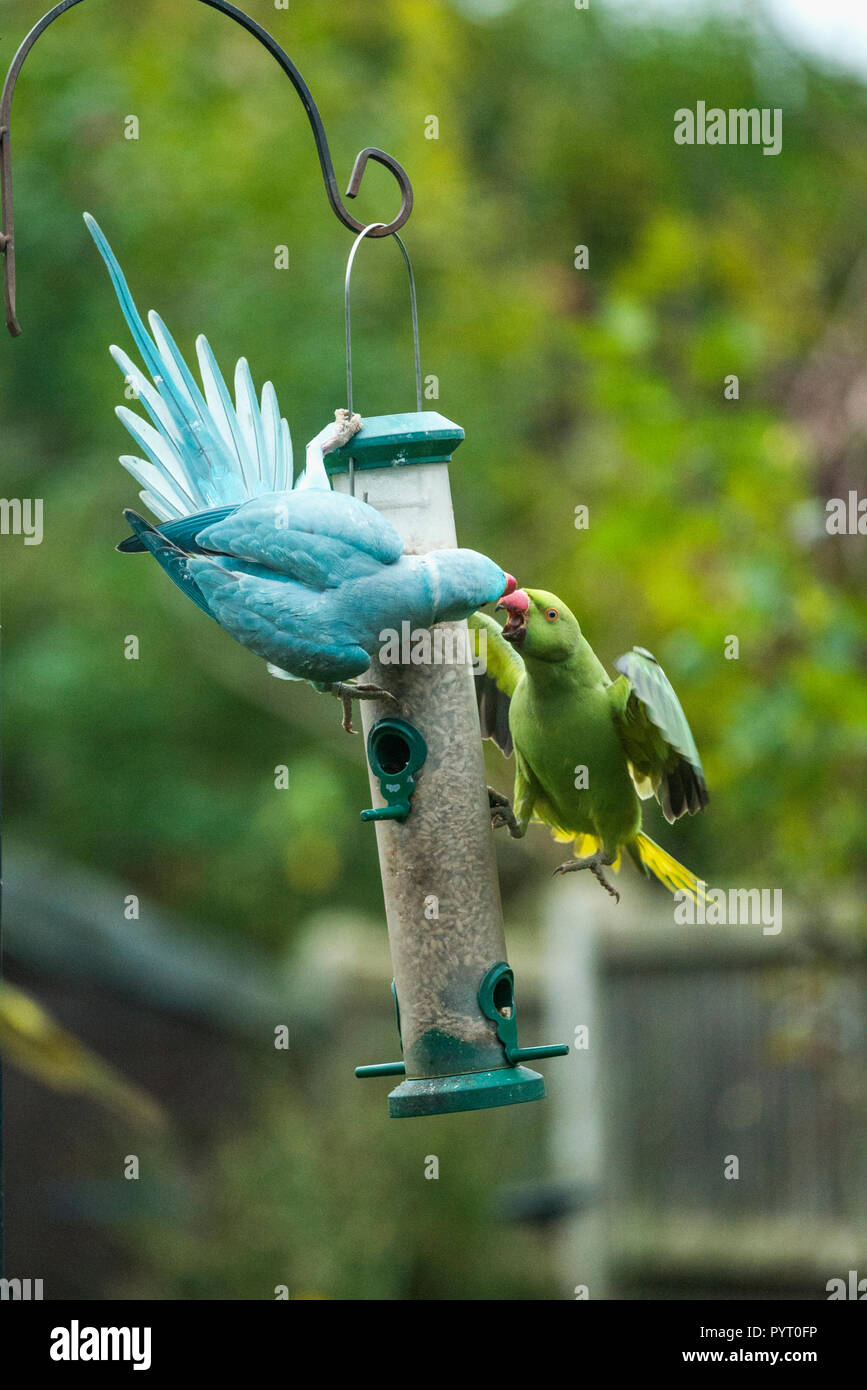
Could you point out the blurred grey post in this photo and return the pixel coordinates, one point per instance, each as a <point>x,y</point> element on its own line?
<point>571,1000</point>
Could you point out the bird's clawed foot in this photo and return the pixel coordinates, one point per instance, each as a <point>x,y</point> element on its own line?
<point>335,435</point>
<point>347,691</point>
<point>595,863</point>
<point>501,812</point>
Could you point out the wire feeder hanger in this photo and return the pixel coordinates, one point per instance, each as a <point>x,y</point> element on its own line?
<point>413,306</point>
<point>374,229</point>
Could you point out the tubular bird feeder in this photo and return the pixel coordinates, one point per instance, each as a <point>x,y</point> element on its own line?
<point>453,988</point>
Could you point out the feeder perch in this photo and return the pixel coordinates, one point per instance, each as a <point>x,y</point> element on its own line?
<point>395,752</point>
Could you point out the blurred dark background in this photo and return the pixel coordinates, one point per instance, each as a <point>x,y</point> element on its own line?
<point>601,387</point>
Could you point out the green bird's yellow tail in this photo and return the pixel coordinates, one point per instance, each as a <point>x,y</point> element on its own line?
<point>647,855</point>
<point>659,862</point>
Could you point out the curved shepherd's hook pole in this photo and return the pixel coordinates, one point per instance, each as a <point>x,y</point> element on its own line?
<point>7,237</point>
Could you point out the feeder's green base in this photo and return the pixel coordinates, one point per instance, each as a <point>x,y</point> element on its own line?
<point>474,1090</point>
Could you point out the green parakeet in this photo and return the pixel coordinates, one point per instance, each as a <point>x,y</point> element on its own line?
<point>587,749</point>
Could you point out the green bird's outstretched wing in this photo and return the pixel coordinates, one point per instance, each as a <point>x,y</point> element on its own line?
<point>498,670</point>
<point>655,736</point>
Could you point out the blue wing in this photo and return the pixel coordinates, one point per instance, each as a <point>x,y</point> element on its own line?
<point>280,620</point>
<point>263,610</point>
<point>319,538</point>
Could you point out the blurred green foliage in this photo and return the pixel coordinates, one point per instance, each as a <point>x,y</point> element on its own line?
<point>601,386</point>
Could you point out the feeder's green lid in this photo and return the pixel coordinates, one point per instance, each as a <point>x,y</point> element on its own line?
<point>390,441</point>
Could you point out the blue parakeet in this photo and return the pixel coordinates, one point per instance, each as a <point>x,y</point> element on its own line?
<point>306,577</point>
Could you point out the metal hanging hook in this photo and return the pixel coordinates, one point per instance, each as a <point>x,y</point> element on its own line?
<point>7,236</point>
<point>371,230</point>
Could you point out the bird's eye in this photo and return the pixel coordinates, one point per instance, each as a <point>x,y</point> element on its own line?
<point>552,615</point>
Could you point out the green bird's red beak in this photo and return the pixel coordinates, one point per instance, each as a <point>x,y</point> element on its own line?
<point>517,605</point>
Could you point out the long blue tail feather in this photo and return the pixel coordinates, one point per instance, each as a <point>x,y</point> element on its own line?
<point>150,354</point>
<point>201,449</point>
